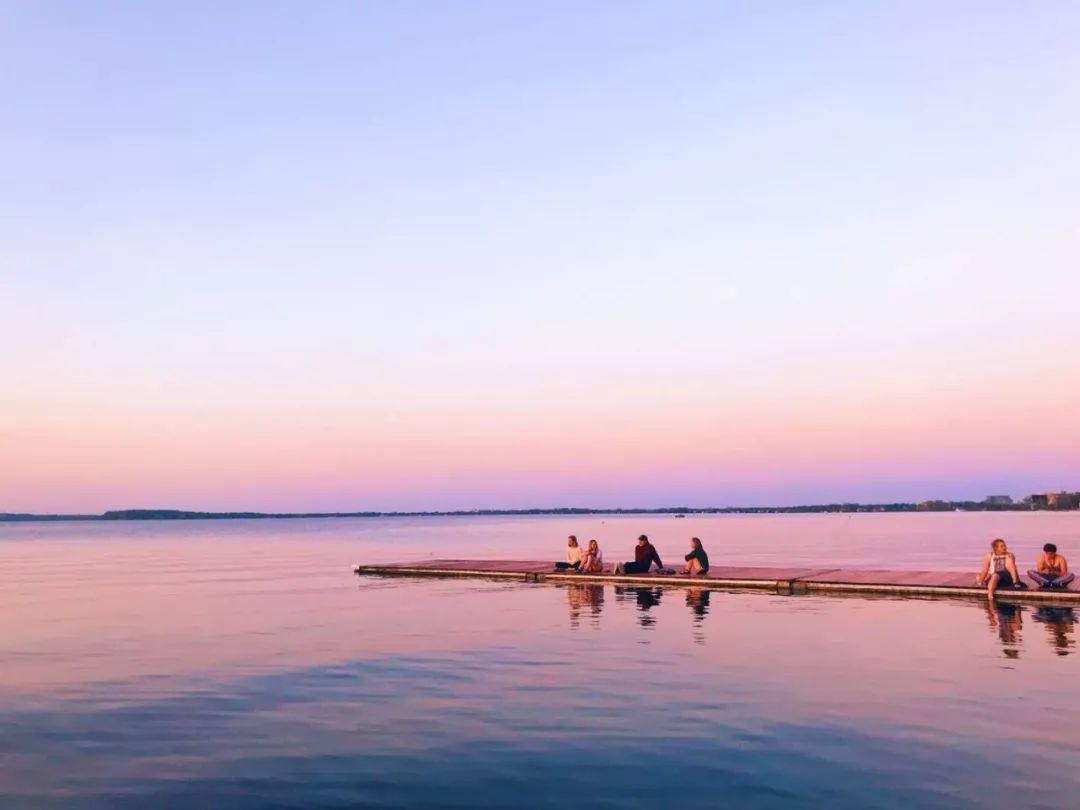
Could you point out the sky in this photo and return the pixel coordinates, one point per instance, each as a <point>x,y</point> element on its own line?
<point>349,256</point>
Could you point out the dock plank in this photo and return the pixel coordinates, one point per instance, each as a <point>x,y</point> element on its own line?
<point>782,579</point>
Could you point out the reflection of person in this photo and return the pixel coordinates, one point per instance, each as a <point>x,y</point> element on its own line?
<point>647,598</point>
<point>1059,623</point>
<point>697,561</point>
<point>697,599</point>
<point>592,562</point>
<point>573,555</point>
<point>1051,569</point>
<point>579,597</point>
<point>1008,620</point>
<point>998,569</point>
<point>644,556</point>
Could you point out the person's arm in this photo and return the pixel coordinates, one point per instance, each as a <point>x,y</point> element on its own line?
<point>656,558</point>
<point>1064,565</point>
<point>984,572</point>
<point>1010,566</point>
<point>691,556</point>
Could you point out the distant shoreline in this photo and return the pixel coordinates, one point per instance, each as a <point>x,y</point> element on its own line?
<point>836,508</point>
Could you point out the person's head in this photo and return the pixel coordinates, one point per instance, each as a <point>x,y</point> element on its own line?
<point>643,540</point>
<point>695,542</point>
<point>571,541</point>
<point>1050,549</point>
<point>998,546</point>
<point>594,546</point>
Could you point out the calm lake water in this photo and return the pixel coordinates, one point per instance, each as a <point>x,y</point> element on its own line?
<point>243,665</point>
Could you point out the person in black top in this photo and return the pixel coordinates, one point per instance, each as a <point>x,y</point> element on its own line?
<point>697,561</point>
<point>644,556</point>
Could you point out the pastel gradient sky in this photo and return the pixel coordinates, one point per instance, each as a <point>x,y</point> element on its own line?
<point>308,256</point>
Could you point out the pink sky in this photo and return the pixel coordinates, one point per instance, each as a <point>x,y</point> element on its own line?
<point>441,260</point>
<point>809,447</point>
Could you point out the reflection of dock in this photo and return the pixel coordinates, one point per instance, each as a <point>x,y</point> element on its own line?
<point>776,580</point>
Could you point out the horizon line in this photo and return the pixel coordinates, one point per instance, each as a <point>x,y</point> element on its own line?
<point>835,506</point>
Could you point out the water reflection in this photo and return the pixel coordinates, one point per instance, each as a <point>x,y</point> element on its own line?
<point>1060,623</point>
<point>697,599</point>
<point>580,598</point>
<point>588,601</point>
<point>647,598</point>
<point>1008,620</point>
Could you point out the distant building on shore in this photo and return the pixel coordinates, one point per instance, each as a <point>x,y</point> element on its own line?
<point>998,500</point>
<point>934,506</point>
<point>1055,500</point>
<point>1062,500</point>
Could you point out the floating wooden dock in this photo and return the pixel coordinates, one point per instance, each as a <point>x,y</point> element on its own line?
<point>776,580</point>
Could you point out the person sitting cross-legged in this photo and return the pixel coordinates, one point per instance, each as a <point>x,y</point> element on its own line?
<point>1051,569</point>
<point>573,556</point>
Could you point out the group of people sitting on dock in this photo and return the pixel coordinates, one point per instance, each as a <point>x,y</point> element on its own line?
<point>999,569</point>
<point>590,560</point>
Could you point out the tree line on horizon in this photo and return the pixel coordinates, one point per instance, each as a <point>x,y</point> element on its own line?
<point>1051,502</point>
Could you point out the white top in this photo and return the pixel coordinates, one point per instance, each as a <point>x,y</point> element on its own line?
<point>573,554</point>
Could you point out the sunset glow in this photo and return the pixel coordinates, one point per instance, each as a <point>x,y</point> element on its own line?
<point>473,256</point>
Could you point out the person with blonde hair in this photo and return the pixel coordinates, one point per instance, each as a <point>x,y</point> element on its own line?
<point>592,561</point>
<point>573,556</point>
<point>999,569</point>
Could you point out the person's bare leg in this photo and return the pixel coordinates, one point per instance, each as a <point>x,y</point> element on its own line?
<point>991,584</point>
<point>693,568</point>
<point>1010,566</point>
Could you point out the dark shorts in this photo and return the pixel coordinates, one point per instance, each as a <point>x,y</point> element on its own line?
<point>1005,579</point>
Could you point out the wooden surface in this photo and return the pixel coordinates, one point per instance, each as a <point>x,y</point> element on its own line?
<point>780,579</point>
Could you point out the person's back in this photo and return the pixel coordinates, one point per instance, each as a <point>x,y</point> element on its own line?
<point>697,561</point>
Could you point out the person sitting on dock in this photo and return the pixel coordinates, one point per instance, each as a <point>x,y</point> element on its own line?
<point>592,562</point>
<point>697,561</point>
<point>999,569</point>
<point>1051,569</point>
<point>644,556</point>
<point>573,556</point>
